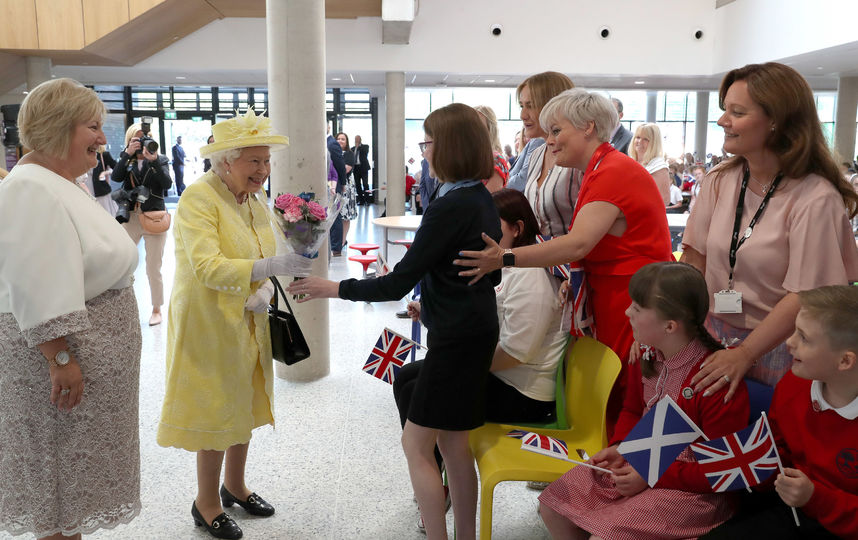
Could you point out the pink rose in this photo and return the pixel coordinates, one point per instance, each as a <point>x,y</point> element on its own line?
<point>287,200</point>
<point>317,211</point>
<point>293,213</point>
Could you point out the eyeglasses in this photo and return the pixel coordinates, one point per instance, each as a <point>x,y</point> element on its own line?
<point>423,145</point>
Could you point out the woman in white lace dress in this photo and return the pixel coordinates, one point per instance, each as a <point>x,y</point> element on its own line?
<point>69,331</point>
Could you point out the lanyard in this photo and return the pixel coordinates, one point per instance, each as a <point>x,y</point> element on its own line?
<point>596,159</point>
<point>735,241</point>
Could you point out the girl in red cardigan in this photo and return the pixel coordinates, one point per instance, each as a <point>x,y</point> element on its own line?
<point>669,305</point>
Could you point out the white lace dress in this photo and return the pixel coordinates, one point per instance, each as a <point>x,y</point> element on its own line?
<point>78,471</point>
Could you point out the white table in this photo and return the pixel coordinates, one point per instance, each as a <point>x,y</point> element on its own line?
<point>401,223</point>
<point>676,224</point>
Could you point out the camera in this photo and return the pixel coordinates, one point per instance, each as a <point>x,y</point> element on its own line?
<point>127,199</point>
<point>496,29</point>
<point>698,34</point>
<point>146,141</point>
<point>604,32</point>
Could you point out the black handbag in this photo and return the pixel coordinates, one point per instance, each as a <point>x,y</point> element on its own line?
<point>287,341</point>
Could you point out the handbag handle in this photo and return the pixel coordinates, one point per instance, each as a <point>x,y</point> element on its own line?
<point>279,289</point>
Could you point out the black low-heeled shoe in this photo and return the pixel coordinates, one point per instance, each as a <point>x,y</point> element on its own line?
<point>254,504</point>
<point>222,526</point>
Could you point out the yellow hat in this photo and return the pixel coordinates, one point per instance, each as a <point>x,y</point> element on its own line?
<point>243,132</point>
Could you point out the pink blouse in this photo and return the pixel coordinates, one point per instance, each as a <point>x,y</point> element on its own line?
<point>803,240</point>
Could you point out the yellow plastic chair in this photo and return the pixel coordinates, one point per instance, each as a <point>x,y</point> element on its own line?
<point>677,255</point>
<point>591,369</point>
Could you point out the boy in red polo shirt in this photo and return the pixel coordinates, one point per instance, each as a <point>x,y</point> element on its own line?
<point>814,416</point>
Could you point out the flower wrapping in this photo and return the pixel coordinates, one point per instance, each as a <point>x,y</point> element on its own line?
<point>304,221</point>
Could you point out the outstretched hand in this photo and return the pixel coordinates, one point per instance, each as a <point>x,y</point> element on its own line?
<point>481,262</point>
<point>723,368</point>
<point>313,287</point>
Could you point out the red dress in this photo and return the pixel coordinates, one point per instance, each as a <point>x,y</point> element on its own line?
<point>613,177</point>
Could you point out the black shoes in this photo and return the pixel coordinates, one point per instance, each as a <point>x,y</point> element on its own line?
<point>221,527</point>
<point>254,504</point>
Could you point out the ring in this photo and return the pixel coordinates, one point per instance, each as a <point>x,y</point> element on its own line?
<point>64,391</point>
<point>727,378</point>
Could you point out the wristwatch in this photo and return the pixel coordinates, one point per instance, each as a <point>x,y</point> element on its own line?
<point>61,359</point>
<point>508,258</point>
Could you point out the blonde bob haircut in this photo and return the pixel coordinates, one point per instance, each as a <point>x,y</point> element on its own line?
<point>130,132</point>
<point>834,308</point>
<point>544,86</point>
<point>461,149</point>
<point>655,148</point>
<point>580,107</point>
<point>492,124</point>
<point>51,112</point>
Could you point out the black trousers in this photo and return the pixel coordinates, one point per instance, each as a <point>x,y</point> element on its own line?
<point>361,177</point>
<point>180,179</point>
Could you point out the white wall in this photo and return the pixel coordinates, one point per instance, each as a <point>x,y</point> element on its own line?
<point>752,31</point>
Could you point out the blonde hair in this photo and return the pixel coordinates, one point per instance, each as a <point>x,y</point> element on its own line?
<point>130,132</point>
<point>492,124</point>
<point>50,112</point>
<point>655,148</point>
<point>834,308</point>
<point>3,173</point>
<point>543,87</point>
<point>581,107</point>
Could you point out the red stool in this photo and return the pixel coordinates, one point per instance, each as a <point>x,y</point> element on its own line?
<point>363,248</point>
<point>404,242</point>
<point>365,260</point>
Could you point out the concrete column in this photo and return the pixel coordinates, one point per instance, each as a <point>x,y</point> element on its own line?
<point>846,109</point>
<point>651,105</point>
<point>38,71</point>
<point>394,84</point>
<point>701,126</point>
<point>296,94</point>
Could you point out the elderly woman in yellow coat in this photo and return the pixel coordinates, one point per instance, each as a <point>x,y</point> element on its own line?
<point>219,367</point>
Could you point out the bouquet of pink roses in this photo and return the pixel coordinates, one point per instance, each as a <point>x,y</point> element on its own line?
<point>304,221</point>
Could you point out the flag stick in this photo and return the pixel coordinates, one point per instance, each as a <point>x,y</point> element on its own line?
<point>780,465</point>
<point>558,456</point>
<point>600,469</point>
<point>405,338</point>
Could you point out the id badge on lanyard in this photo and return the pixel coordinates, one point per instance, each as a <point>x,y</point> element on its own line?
<point>729,300</point>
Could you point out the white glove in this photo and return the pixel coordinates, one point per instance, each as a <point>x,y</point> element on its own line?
<point>258,301</point>
<point>290,264</point>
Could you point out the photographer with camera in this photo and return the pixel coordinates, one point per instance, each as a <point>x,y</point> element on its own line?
<point>145,178</point>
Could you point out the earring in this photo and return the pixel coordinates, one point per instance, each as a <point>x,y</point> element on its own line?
<point>773,129</point>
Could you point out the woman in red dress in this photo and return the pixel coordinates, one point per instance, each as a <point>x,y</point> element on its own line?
<point>619,224</point>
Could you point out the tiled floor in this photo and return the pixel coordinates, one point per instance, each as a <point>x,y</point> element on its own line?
<point>333,467</point>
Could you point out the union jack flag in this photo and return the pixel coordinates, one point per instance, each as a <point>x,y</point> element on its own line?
<point>390,352</point>
<point>739,460</point>
<point>562,270</point>
<point>517,433</point>
<point>543,444</point>
<point>381,267</point>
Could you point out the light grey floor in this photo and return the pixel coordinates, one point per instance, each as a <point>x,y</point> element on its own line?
<point>333,466</point>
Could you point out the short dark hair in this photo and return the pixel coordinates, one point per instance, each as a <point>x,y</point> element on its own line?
<point>461,148</point>
<point>512,207</point>
<point>619,105</point>
<point>834,308</point>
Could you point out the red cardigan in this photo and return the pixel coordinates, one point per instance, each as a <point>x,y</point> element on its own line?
<point>824,446</point>
<point>710,413</point>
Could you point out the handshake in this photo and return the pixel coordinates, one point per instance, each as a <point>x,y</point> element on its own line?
<point>290,264</point>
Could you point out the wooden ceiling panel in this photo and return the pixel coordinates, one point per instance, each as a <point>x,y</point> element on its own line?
<point>20,30</point>
<point>139,7</point>
<point>100,17</point>
<point>239,8</point>
<point>352,9</point>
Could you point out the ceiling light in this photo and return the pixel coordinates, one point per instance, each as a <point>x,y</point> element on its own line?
<point>818,67</point>
<point>490,80</point>
<point>181,78</point>
<point>25,92</point>
<point>640,82</point>
<point>336,78</point>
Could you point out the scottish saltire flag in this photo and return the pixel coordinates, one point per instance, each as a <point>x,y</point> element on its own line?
<point>657,439</point>
<point>543,444</point>
<point>390,352</point>
<point>517,433</point>
<point>739,460</point>
<point>562,270</point>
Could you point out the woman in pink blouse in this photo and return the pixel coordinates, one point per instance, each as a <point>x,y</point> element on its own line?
<point>769,222</point>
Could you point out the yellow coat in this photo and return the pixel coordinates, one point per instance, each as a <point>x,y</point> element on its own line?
<point>219,370</point>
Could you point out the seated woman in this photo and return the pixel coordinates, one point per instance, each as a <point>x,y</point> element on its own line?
<point>501,166</point>
<point>647,150</point>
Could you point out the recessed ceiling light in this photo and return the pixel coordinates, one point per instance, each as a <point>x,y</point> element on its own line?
<point>180,77</point>
<point>818,67</point>
<point>336,78</point>
<point>640,82</point>
<point>25,92</point>
<point>490,80</point>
